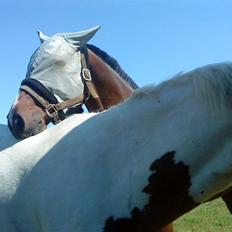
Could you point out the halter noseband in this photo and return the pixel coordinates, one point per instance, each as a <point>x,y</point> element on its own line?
<point>48,101</point>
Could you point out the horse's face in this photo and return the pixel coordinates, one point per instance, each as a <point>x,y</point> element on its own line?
<point>26,118</point>
<point>56,65</point>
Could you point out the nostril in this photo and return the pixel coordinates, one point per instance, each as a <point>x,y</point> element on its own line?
<point>18,124</point>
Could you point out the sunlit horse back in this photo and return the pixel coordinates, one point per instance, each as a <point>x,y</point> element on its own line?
<point>154,157</point>
<point>63,74</point>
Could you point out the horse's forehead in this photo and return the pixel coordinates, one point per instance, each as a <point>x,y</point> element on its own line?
<point>56,46</point>
<point>55,50</point>
<point>56,65</point>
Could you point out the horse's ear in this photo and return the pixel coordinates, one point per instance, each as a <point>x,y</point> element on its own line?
<point>79,38</point>
<point>42,36</point>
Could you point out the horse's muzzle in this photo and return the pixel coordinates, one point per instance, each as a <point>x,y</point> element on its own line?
<point>16,126</point>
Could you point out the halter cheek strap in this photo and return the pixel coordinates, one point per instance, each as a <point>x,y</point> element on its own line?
<point>50,109</point>
<point>87,79</point>
<point>47,100</point>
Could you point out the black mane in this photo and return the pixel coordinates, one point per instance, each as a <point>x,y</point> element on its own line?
<point>113,64</point>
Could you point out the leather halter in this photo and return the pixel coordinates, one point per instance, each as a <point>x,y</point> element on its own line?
<point>87,78</point>
<point>48,101</point>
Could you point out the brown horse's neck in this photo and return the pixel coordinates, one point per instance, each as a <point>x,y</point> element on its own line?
<point>111,88</point>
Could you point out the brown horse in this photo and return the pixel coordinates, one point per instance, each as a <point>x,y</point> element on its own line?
<point>59,82</point>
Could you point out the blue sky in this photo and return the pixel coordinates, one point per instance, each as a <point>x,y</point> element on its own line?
<point>151,39</point>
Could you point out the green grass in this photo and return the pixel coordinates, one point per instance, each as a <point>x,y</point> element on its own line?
<point>209,217</point>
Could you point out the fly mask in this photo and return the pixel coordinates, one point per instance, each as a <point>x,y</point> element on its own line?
<point>58,72</point>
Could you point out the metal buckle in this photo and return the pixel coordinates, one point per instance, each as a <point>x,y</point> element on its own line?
<point>51,111</point>
<point>86,74</point>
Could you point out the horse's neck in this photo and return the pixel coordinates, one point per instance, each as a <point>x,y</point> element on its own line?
<point>111,88</point>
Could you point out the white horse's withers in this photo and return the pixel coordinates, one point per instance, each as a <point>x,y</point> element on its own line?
<point>135,167</point>
<point>17,162</point>
<point>39,145</point>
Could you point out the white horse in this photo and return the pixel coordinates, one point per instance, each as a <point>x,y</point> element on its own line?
<point>135,167</point>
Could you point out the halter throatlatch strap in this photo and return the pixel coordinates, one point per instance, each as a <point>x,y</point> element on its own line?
<point>52,107</point>
<point>87,79</point>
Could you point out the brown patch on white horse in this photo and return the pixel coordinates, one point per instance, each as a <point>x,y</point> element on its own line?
<point>168,189</point>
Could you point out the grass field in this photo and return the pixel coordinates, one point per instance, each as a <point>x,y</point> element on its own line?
<point>209,217</point>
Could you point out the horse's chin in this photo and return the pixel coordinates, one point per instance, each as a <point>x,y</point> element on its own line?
<point>34,131</point>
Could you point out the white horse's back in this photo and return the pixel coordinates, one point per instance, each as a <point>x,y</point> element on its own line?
<point>142,163</point>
